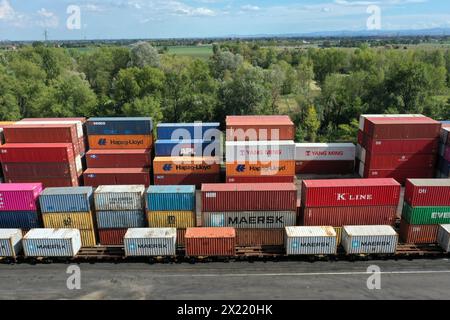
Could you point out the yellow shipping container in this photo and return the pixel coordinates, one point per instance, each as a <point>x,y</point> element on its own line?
<point>171,219</point>
<point>76,220</point>
<point>338,235</point>
<point>88,239</point>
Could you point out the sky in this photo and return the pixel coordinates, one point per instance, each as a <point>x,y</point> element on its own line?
<point>120,19</point>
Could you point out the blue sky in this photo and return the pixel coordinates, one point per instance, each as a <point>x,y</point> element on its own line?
<point>110,19</point>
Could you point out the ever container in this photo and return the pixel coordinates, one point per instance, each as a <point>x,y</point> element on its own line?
<point>125,197</point>
<point>369,239</point>
<point>19,196</point>
<point>210,242</point>
<point>199,130</point>
<point>418,233</point>
<point>20,219</point>
<point>10,242</point>
<point>69,199</point>
<point>250,220</point>
<point>426,215</point>
<point>119,158</point>
<point>257,128</point>
<point>427,192</point>
<point>120,219</point>
<point>444,237</point>
<point>52,243</point>
<point>310,241</point>
<point>170,198</point>
<point>120,126</point>
<point>116,176</point>
<point>149,242</point>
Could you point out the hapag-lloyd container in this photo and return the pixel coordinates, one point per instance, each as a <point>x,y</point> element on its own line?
<point>186,179</point>
<point>102,142</point>
<point>120,126</point>
<point>250,220</point>
<point>255,151</point>
<point>71,199</point>
<point>121,219</point>
<point>36,152</point>
<point>427,192</point>
<point>259,237</point>
<point>259,128</point>
<point>180,148</point>
<point>402,128</point>
<point>210,242</point>
<point>362,118</point>
<point>19,196</point>
<point>426,215</point>
<point>109,198</point>
<point>398,161</point>
<point>444,237</point>
<point>148,242</point>
<point>170,198</point>
<point>172,219</point>
<point>260,179</point>
<point>119,158</point>
<point>19,219</point>
<point>186,165</point>
<point>116,176</point>
<point>350,192</point>
<point>251,169</point>
<point>10,242</point>
<point>52,243</point>
<point>310,240</point>
<point>369,239</point>
<point>249,197</point>
<point>416,146</point>
<point>111,237</point>
<point>187,131</point>
<point>418,234</point>
<point>325,152</point>
<point>325,167</point>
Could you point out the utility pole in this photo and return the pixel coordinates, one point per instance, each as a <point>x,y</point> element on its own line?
<point>46,35</point>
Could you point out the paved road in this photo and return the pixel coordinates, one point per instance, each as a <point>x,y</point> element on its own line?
<point>428,279</point>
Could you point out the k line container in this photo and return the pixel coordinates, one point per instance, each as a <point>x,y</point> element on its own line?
<point>427,192</point>
<point>171,219</point>
<point>350,192</point>
<point>110,198</point>
<point>405,128</point>
<point>52,243</point>
<point>118,158</point>
<point>112,237</point>
<point>260,179</point>
<point>102,142</point>
<point>418,234</point>
<point>325,167</point>
<point>249,169</point>
<point>325,152</point>
<point>210,242</point>
<point>116,176</point>
<point>444,237</point>
<point>250,220</point>
<point>69,220</point>
<point>120,126</point>
<point>186,179</point>
<point>426,215</point>
<point>19,220</point>
<point>416,146</point>
<point>186,165</point>
<point>10,242</point>
<point>310,240</point>
<point>36,152</point>
<point>259,128</point>
<point>179,148</point>
<point>259,237</point>
<point>120,219</point>
<point>19,196</point>
<point>187,131</point>
<point>150,242</point>
<point>249,197</point>
<point>369,239</point>
<point>255,151</point>
<point>170,198</point>
<point>72,199</point>
<point>50,170</point>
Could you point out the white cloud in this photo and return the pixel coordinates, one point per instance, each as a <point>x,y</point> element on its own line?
<point>47,19</point>
<point>355,3</point>
<point>249,7</point>
<point>6,11</point>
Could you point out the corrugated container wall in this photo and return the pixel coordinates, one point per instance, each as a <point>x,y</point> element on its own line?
<point>177,148</point>
<point>19,219</point>
<point>418,234</point>
<point>259,237</point>
<point>444,237</point>
<point>325,152</point>
<point>111,237</point>
<point>10,242</point>
<point>150,242</point>
<point>427,192</point>
<point>106,142</point>
<point>188,131</point>
<point>250,220</point>
<point>171,198</point>
<point>72,199</point>
<point>210,242</point>
<point>120,219</point>
<point>310,240</point>
<point>172,219</point>
<point>426,215</point>
<point>116,158</point>
<point>19,196</point>
<point>116,176</point>
<point>129,197</point>
<point>265,151</point>
<point>262,128</point>
<point>119,126</point>
<point>369,239</point>
<point>52,243</point>
<point>186,165</point>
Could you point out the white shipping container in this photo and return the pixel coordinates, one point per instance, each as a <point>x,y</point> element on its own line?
<point>369,239</point>
<point>359,150</point>
<point>148,242</point>
<point>363,155</point>
<point>250,219</point>
<point>264,151</point>
<point>325,151</point>
<point>10,242</point>
<point>52,243</point>
<point>361,169</point>
<point>364,116</point>
<point>310,240</point>
<point>444,237</point>
<point>111,198</point>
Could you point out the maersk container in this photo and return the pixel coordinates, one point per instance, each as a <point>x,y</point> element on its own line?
<point>71,199</point>
<point>325,152</point>
<point>188,131</point>
<point>369,239</point>
<point>426,215</point>
<point>250,220</point>
<point>119,126</point>
<point>52,243</point>
<point>150,242</point>
<point>120,219</point>
<point>19,196</point>
<point>170,198</point>
<point>19,219</point>
<point>111,198</point>
<point>444,237</point>
<point>259,151</point>
<point>310,241</point>
<point>176,148</point>
<point>10,242</point>
<point>427,192</point>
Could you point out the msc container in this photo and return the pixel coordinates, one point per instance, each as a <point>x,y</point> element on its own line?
<point>325,152</point>
<point>259,237</point>
<point>427,192</point>
<point>350,192</point>
<point>260,179</point>
<point>52,243</point>
<point>50,170</point>
<point>210,242</point>
<point>399,161</point>
<point>187,131</point>
<point>249,197</point>
<point>444,237</point>
<point>259,151</point>
<point>186,165</point>
<point>172,219</point>
<point>118,158</point>
<point>186,179</point>
<point>120,142</point>
<point>170,198</point>
<point>416,146</point>
<point>120,126</point>
<point>426,215</point>
<point>69,220</point>
<point>369,239</point>
<point>126,197</point>
<point>10,242</point>
<point>259,128</point>
<point>120,219</point>
<point>310,240</point>
<point>249,169</point>
<point>116,176</point>
<point>45,181</point>
<point>112,237</point>
<point>36,152</point>
<point>404,128</point>
<point>418,234</point>
<point>71,199</point>
<point>19,219</point>
<point>250,220</point>
<point>19,196</point>
<point>325,167</point>
<point>177,148</point>
<point>150,242</point>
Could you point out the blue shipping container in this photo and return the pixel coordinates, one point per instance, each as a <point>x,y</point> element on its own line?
<point>121,219</point>
<point>189,131</point>
<point>71,199</point>
<point>170,198</point>
<point>19,220</point>
<point>119,126</point>
<point>198,148</point>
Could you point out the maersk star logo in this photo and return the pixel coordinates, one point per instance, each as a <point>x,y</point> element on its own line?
<point>167,167</point>
<point>240,168</point>
<point>93,156</point>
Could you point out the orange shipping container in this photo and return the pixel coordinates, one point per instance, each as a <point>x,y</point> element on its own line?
<point>248,169</point>
<point>121,142</point>
<point>259,237</point>
<point>185,165</point>
<point>210,242</point>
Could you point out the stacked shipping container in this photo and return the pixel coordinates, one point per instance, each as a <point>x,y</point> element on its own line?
<point>325,158</point>
<point>443,169</point>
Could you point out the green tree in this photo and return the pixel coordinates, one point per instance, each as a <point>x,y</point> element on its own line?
<point>311,124</point>
<point>143,54</point>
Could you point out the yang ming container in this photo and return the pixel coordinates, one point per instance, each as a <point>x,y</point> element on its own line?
<point>427,192</point>
<point>116,176</point>
<point>426,215</point>
<point>369,239</point>
<point>172,219</point>
<point>418,233</point>
<point>250,220</point>
<point>252,151</point>
<point>19,219</point>
<point>118,158</point>
<point>71,199</point>
<point>310,240</point>
<point>120,219</point>
<point>110,198</point>
<point>187,131</point>
<point>19,196</point>
<point>119,126</point>
<point>210,242</point>
<point>52,243</point>
<point>149,242</point>
<point>10,242</point>
<point>259,128</point>
<point>170,198</point>
<point>444,237</point>
<point>325,152</point>
<point>179,148</point>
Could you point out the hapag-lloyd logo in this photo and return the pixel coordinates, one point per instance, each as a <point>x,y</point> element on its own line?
<point>353,197</point>
<point>136,142</point>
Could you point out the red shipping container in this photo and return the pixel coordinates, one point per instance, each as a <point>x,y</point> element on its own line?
<point>48,170</point>
<point>116,176</point>
<point>249,197</point>
<point>254,128</point>
<point>361,137</point>
<point>210,242</point>
<point>399,175</point>
<point>324,167</point>
<point>262,179</point>
<point>181,234</point>
<point>46,182</point>
<point>120,158</point>
<point>36,152</point>
<point>417,146</point>
<point>399,161</point>
<point>427,192</point>
<point>344,216</point>
<point>259,237</point>
<point>418,234</point>
<point>111,237</point>
<point>402,128</point>
<point>189,179</point>
<point>350,192</point>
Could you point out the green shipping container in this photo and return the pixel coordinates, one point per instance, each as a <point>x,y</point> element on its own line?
<point>426,215</point>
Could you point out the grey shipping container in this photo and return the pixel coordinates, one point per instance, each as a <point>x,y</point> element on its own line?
<point>310,240</point>
<point>250,219</point>
<point>52,243</point>
<point>150,242</point>
<point>71,199</point>
<point>444,237</point>
<point>121,219</point>
<point>10,242</point>
<point>111,198</point>
<point>369,239</point>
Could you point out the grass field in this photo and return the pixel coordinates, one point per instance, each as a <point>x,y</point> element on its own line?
<point>202,52</point>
